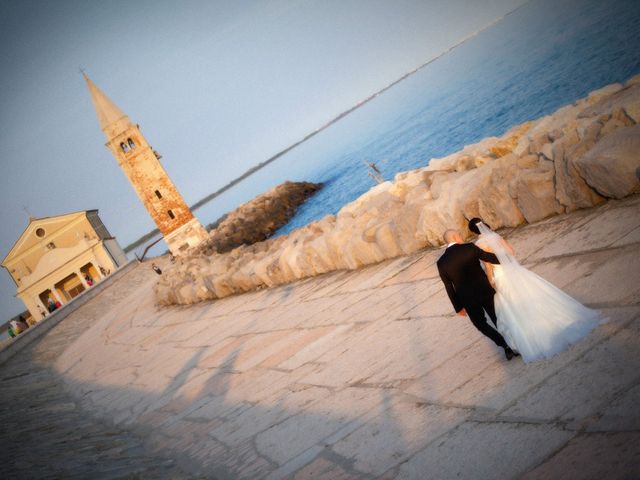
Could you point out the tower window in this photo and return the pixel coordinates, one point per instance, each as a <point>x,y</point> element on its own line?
<point>171,215</point>
<point>131,143</point>
<point>158,194</point>
<point>124,147</point>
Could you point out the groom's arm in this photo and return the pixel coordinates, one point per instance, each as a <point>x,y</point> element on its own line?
<point>451,291</point>
<point>486,256</point>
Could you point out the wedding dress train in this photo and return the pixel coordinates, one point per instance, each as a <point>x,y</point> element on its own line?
<point>535,317</point>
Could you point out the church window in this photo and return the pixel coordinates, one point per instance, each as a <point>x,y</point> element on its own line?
<point>40,232</point>
<point>124,147</point>
<point>158,194</point>
<point>131,143</point>
<point>171,214</point>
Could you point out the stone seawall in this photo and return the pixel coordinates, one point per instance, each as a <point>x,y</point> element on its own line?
<point>577,157</point>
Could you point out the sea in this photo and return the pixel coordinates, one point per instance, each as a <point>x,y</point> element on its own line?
<point>546,54</point>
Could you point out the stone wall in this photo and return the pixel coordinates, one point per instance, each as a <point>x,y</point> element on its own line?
<point>574,158</point>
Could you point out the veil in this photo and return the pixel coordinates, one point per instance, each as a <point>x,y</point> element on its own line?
<point>497,245</point>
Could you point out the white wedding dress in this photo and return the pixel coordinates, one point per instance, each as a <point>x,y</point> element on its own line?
<point>535,318</point>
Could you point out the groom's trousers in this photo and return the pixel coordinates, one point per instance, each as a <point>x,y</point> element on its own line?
<point>476,315</point>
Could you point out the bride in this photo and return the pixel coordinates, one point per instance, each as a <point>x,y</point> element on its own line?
<point>535,318</point>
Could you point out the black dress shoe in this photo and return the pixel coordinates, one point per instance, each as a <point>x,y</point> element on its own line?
<point>509,353</point>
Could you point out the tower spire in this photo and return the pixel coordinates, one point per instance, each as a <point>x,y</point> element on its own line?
<point>108,112</point>
<point>181,230</point>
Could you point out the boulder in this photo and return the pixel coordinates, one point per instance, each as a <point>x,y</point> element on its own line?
<point>604,92</point>
<point>571,190</point>
<point>510,140</point>
<point>611,166</point>
<point>627,98</point>
<point>443,212</point>
<point>535,191</point>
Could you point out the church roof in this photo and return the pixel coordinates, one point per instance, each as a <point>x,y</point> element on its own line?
<point>108,112</point>
<point>52,223</point>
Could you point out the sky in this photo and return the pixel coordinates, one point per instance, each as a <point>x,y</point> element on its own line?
<point>216,87</point>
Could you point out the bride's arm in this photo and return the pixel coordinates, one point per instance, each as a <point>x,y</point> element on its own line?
<point>489,271</point>
<point>508,247</point>
<point>488,266</point>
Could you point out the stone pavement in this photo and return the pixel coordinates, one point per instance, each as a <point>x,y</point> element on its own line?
<point>351,375</point>
<point>46,434</point>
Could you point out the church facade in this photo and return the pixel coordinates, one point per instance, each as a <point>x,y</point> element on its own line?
<point>140,163</point>
<point>57,258</point>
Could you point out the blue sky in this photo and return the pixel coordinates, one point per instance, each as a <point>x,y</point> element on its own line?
<point>216,86</point>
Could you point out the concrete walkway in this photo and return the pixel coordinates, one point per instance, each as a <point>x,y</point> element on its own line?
<point>352,375</point>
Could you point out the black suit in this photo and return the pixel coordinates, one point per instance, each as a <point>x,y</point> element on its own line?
<point>468,286</point>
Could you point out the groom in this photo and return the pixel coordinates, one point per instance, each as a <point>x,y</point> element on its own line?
<point>468,286</point>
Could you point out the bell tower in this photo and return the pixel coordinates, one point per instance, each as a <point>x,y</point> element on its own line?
<point>181,230</point>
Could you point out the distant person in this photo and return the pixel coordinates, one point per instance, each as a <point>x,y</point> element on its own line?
<point>41,311</point>
<point>156,269</point>
<point>103,272</point>
<point>51,305</point>
<point>17,327</point>
<point>88,279</point>
<point>58,304</point>
<point>21,325</point>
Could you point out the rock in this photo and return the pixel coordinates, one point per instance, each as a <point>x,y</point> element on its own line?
<point>571,190</point>
<point>497,204</point>
<point>547,151</point>
<point>603,92</point>
<point>635,80</point>
<point>510,140</point>
<point>440,214</point>
<point>618,119</point>
<point>258,219</point>
<point>610,167</point>
<point>535,191</point>
<point>627,98</point>
<point>527,161</point>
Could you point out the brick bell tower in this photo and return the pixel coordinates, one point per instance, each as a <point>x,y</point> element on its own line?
<point>181,230</point>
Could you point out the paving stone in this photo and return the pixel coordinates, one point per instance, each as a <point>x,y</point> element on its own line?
<point>622,414</point>
<point>593,380</point>
<point>614,456</point>
<point>478,451</point>
<point>327,468</point>
<point>401,429</point>
<point>322,419</point>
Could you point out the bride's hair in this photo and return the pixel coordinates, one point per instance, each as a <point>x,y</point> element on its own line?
<point>473,225</point>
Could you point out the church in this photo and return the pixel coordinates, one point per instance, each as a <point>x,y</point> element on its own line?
<point>140,163</point>
<point>57,258</point>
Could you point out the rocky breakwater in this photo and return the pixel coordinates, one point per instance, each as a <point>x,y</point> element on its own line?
<point>577,157</point>
<point>258,219</point>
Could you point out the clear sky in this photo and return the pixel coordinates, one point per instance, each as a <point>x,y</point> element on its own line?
<point>216,86</point>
